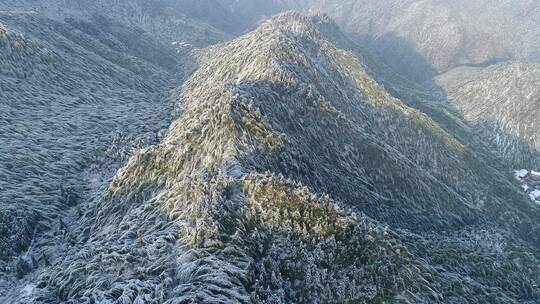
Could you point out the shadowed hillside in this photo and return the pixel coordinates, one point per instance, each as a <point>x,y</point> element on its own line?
<point>503,102</point>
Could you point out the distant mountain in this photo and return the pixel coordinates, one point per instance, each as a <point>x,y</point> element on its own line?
<point>420,39</point>
<point>440,35</point>
<point>503,102</point>
<point>292,176</point>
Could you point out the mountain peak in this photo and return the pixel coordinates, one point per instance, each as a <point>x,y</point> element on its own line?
<point>296,21</point>
<point>310,26</point>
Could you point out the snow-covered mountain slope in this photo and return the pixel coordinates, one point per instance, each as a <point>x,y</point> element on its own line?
<point>78,78</point>
<point>291,176</point>
<point>76,98</point>
<point>166,20</point>
<point>503,103</point>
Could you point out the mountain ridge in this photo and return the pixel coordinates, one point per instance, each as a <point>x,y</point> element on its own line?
<point>237,190</point>
<point>153,158</point>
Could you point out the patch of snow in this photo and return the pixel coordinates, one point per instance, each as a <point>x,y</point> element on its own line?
<point>521,173</point>
<point>28,290</point>
<point>535,194</point>
<point>181,44</point>
<point>525,187</point>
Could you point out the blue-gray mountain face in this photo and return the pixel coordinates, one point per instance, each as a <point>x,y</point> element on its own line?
<point>220,151</point>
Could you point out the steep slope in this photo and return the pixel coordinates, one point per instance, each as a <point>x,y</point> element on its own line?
<point>290,175</point>
<point>76,98</point>
<point>503,103</point>
<point>166,20</point>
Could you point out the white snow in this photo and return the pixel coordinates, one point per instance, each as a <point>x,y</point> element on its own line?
<point>181,44</point>
<point>535,194</point>
<point>521,173</point>
<point>28,290</point>
<point>525,187</point>
<point>536,174</point>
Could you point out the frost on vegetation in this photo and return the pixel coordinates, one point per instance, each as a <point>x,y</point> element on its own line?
<point>173,226</point>
<point>166,21</point>
<point>72,110</point>
<point>229,206</point>
<point>530,183</point>
<point>272,186</point>
<point>485,240</point>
